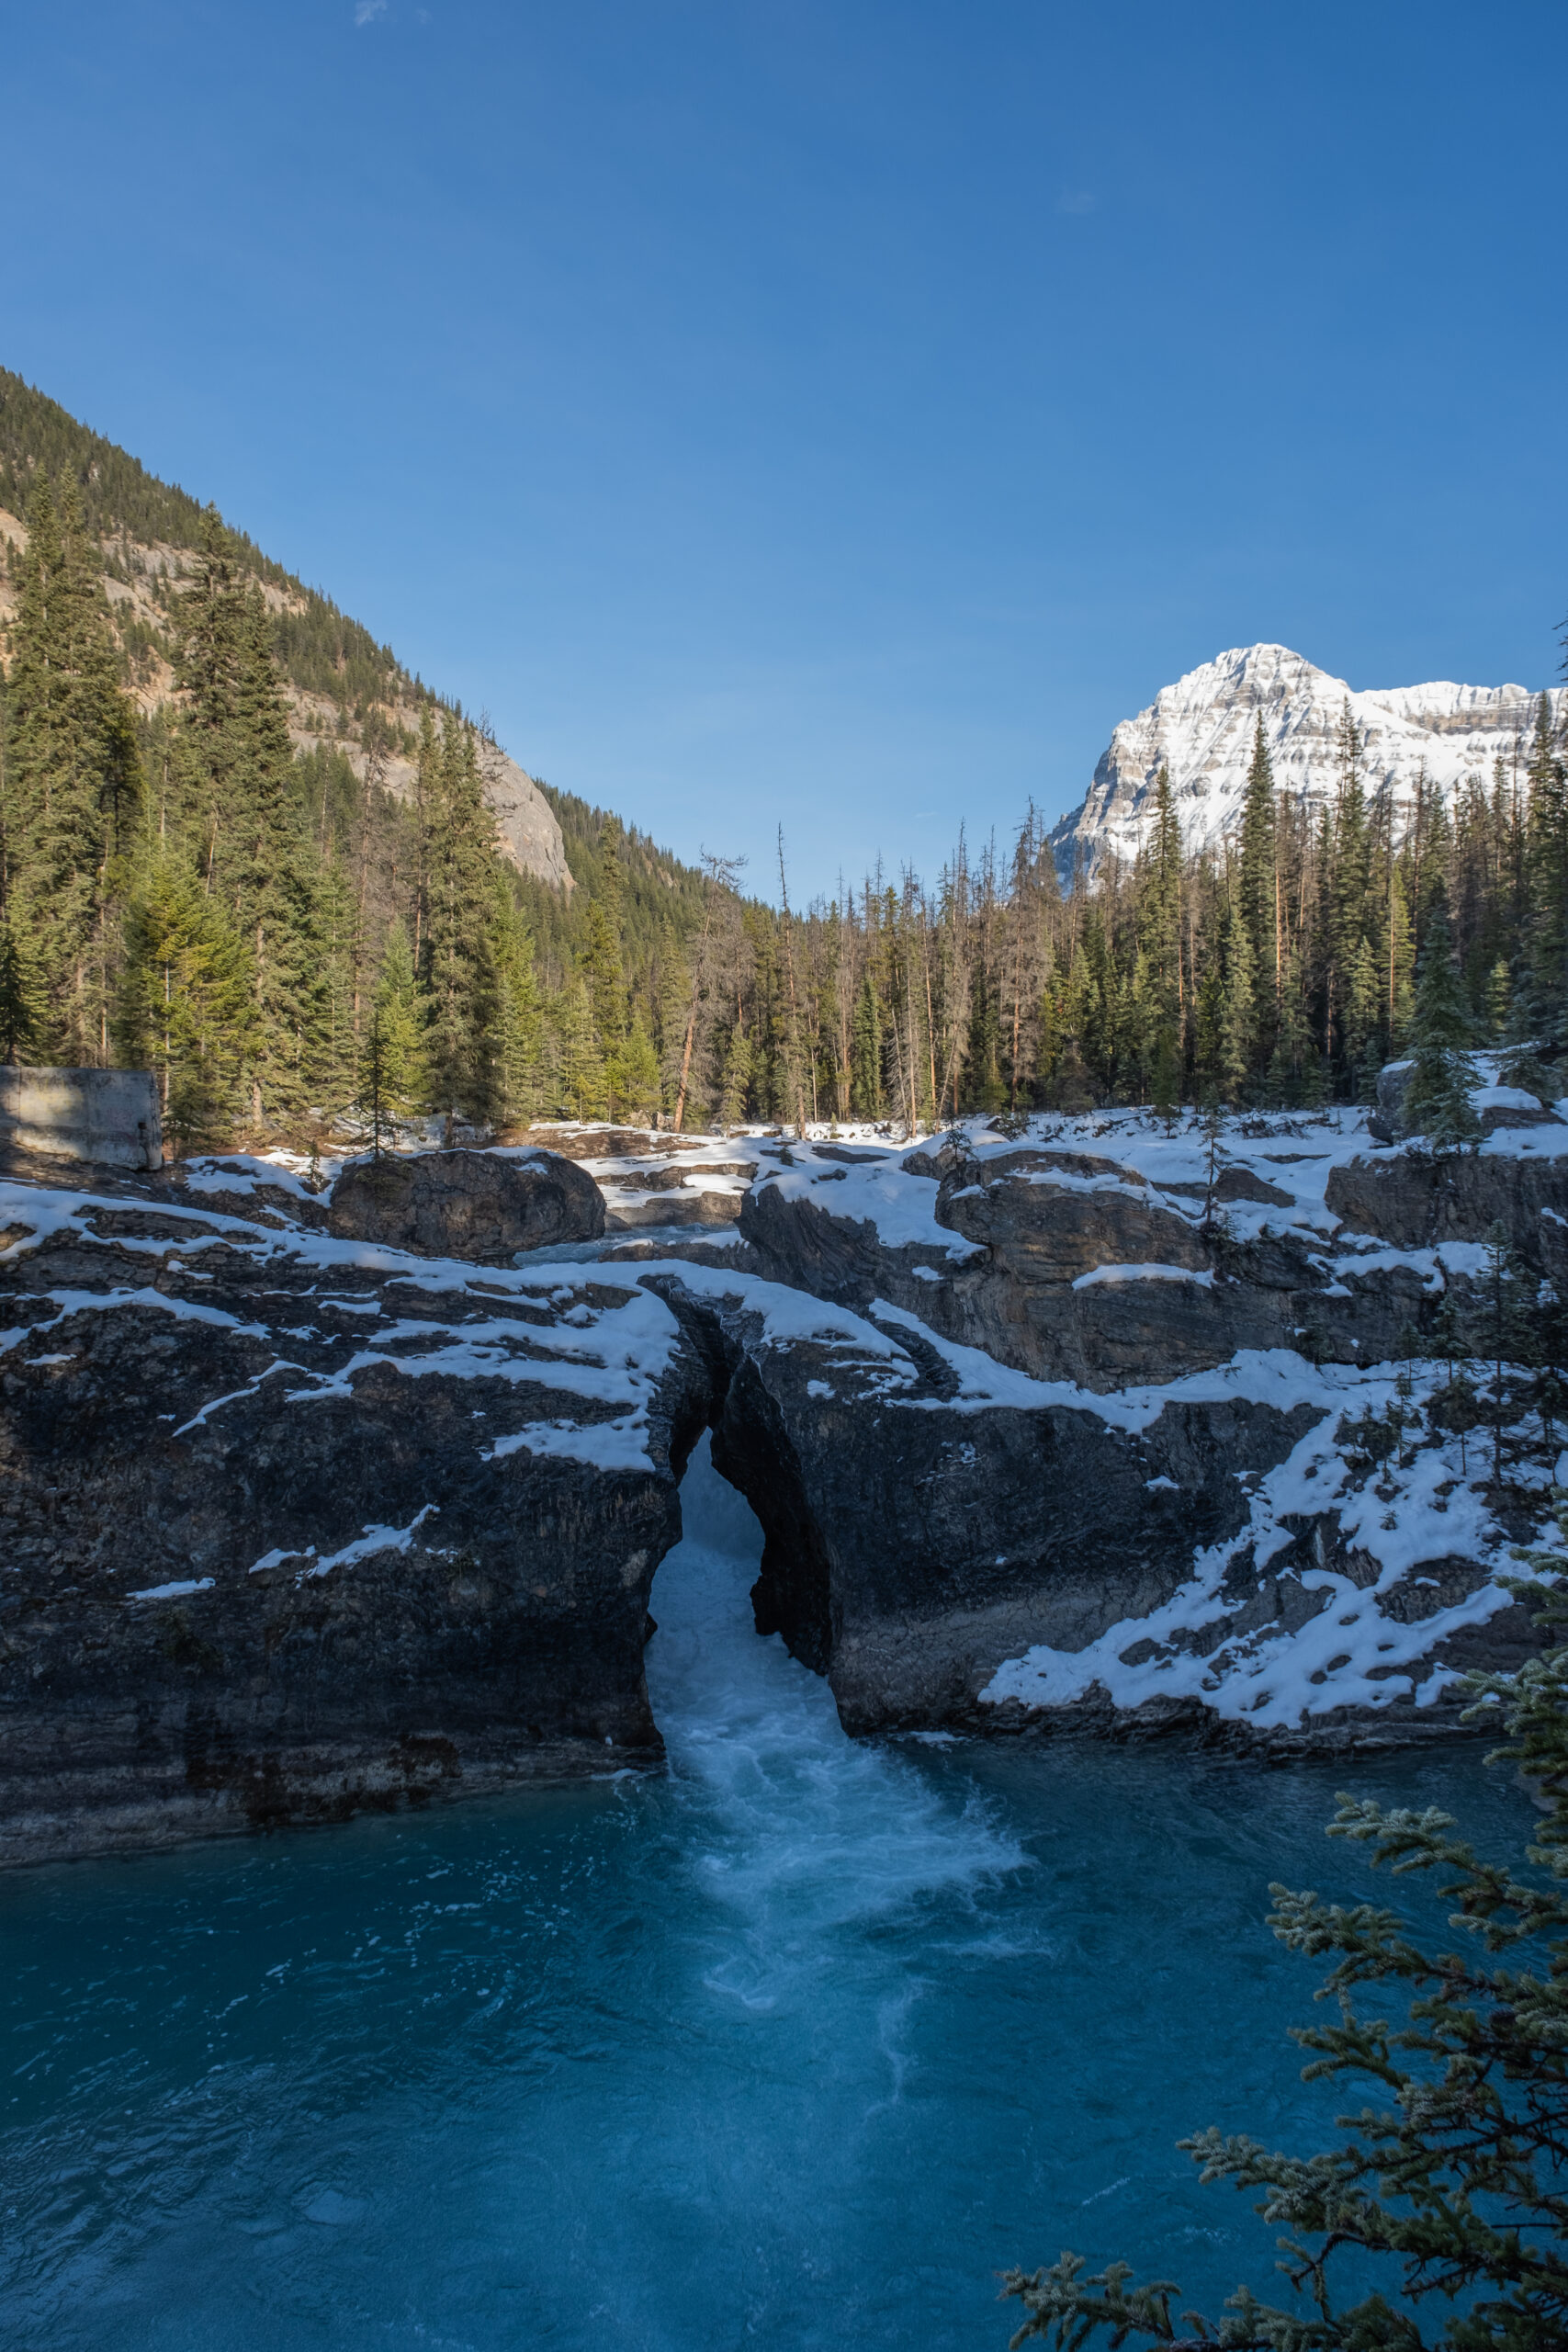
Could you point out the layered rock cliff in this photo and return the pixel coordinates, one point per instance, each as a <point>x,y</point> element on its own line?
<point>1088,1431</point>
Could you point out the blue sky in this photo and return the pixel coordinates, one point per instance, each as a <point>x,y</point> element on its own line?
<point>833,415</point>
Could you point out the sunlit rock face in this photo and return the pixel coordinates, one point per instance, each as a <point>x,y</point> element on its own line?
<point>1203,729</point>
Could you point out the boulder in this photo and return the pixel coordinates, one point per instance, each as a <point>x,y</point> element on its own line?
<point>482,1205</point>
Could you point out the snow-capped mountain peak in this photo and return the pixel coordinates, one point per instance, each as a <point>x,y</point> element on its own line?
<point>1203,727</point>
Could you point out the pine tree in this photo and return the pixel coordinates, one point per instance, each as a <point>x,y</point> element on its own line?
<point>518,1017</point>
<point>1238,1006</point>
<point>207,754</point>
<point>736,1079</point>
<point>1501,1331</point>
<point>636,1074</point>
<point>866,1098</point>
<point>392,1084</point>
<point>235,767</point>
<point>1362,1028</point>
<point>1451,2174</point>
<point>1259,886</point>
<point>1401,967</point>
<point>1160,908</point>
<point>464,1049</point>
<point>186,1001</point>
<point>582,1086</point>
<point>1346,878</point>
<point>72,782</point>
<point>20,1006</point>
<point>1541,1025</point>
<point>603,967</point>
<point>677,1027</point>
<point>1165,1077</point>
<point>1438,1104</point>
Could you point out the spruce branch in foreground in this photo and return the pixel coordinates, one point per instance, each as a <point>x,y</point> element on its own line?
<point>1456,2172</point>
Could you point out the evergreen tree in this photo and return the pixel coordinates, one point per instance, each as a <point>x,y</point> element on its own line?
<point>186,1001</point>
<point>1165,1077</point>
<point>1501,1328</point>
<point>1452,2177</point>
<point>464,1049</point>
<point>603,966</point>
<point>20,1009</point>
<point>518,1016</point>
<point>582,1087</point>
<point>1362,1027</point>
<point>236,776</point>
<point>1542,1023</point>
<point>1259,886</point>
<point>72,783</point>
<point>636,1074</point>
<point>866,1098</point>
<point>736,1079</point>
<point>1159,910</point>
<point>1437,1103</point>
<point>1346,878</point>
<point>677,1027</point>
<point>207,753</point>
<point>391,1082</point>
<point>1295,1068</point>
<point>1401,967</point>
<point>1238,1006</point>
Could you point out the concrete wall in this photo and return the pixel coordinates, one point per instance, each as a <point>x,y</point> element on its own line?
<point>109,1115</point>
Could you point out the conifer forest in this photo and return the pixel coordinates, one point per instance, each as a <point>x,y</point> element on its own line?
<point>284,942</point>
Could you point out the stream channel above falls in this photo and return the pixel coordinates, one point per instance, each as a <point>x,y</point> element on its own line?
<point>795,2047</point>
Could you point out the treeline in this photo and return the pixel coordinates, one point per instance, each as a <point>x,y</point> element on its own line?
<point>282,940</point>
<point>1284,970</point>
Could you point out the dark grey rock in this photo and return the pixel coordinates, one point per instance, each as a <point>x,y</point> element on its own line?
<point>353,1596</point>
<point>483,1206</point>
<point>1413,1200</point>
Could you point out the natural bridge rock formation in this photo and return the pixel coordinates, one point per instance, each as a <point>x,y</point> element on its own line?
<point>1077,1434</point>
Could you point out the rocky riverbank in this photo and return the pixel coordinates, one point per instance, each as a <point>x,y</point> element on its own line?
<point>1045,1432</point>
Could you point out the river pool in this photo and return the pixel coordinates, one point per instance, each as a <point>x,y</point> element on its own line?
<point>795,2047</point>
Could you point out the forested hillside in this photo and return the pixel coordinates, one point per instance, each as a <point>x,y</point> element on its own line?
<point>285,941</point>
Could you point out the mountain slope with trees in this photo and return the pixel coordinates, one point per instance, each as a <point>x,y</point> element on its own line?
<point>191,880</point>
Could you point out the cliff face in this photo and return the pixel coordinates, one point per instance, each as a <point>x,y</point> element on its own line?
<point>294,1525</point>
<point>295,1522</point>
<point>1203,729</point>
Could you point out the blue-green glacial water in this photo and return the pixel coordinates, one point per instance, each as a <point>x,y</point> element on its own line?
<point>794,2047</point>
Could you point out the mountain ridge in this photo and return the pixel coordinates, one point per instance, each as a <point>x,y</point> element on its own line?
<point>1202,726</point>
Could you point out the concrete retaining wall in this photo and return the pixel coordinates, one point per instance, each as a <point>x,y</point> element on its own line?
<point>109,1115</point>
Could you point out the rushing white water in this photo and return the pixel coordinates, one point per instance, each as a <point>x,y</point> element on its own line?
<point>792,2048</point>
<point>794,1830</point>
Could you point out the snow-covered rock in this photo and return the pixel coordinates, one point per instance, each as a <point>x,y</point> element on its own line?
<point>1076,1432</point>
<point>1203,730</point>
